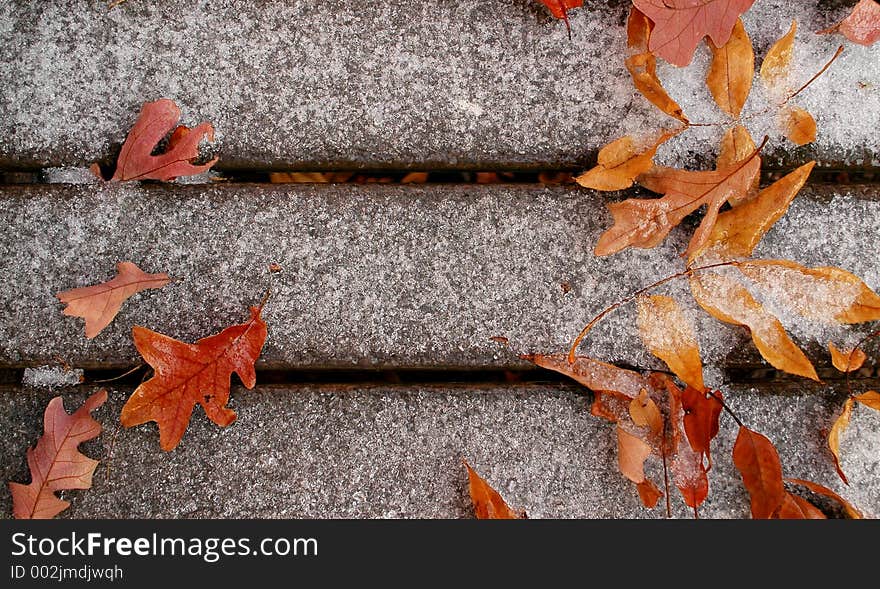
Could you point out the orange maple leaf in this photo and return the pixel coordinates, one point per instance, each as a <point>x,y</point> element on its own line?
<point>680,25</point>
<point>155,121</point>
<point>55,463</point>
<point>100,303</point>
<point>187,374</point>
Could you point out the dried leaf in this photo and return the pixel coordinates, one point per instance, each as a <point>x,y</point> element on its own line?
<point>649,493</point>
<point>794,507</point>
<point>631,455</point>
<point>846,360</point>
<point>701,415</point>
<point>758,462</point>
<point>55,463</point>
<point>825,294</point>
<point>737,145</point>
<point>840,425</point>
<point>862,26</point>
<point>645,413</point>
<point>869,399</point>
<point>154,122</point>
<point>667,334</point>
<point>645,223</point>
<point>560,8</point>
<point>777,63</point>
<point>738,231</point>
<point>619,163</point>
<point>689,476</point>
<point>100,303</point>
<point>731,71</point>
<point>186,374</point>
<point>680,25</point>
<point>798,125</point>
<point>727,300</point>
<point>642,66</point>
<point>821,490</point>
<point>488,503</point>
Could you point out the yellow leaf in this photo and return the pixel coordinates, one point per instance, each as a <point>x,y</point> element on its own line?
<point>824,294</point>
<point>619,163</point>
<point>840,424</point>
<point>645,413</point>
<point>799,125</point>
<point>737,145</point>
<point>846,360</point>
<point>738,231</point>
<point>727,300</point>
<point>869,399</point>
<point>668,335</point>
<point>631,455</point>
<point>731,71</point>
<point>777,63</point>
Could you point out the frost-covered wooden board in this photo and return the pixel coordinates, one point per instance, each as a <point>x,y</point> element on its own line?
<point>396,452</point>
<point>391,84</point>
<point>371,276</point>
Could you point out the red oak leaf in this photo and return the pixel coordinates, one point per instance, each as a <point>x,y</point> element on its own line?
<point>55,463</point>
<point>187,374</point>
<point>680,25</point>
<point>156,120</point>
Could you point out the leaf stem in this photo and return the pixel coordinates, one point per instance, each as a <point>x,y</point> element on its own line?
<point>816,75</point>
<point>849,358</point>
<point>123,375</point>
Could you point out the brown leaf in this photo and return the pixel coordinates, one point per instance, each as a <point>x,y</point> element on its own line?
<point>869,399</point>
<point>862,26</point>
<point>701,414</point>
<point>825,294</point>
<point>776,66</point>
<point>488,503</point>
<point>645,223</point>
<point>631,455</point>
<point>731,71</point>
<point>649,493</point>
<point>727,300</point>
<point>156,119</point>
<point>758,462</point>
<point>738,231</point>
<point>846,360</point>
<point>619,163</point>
<point>667,334</point>
<point>645,413</point>
<point>840,425</point>
<point>642,66</point>
<point>55,463</point>
<point>851,511</point>
<point>798,125</point>
<point>689,476</point>
<point>100,303</point>
<point>794,507</point>
<point>736,145</point>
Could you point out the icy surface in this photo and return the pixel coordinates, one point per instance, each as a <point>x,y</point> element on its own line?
<point>393,83</point>
<point>376,275</point>
<point>396,453</point>
<point>51,376</point>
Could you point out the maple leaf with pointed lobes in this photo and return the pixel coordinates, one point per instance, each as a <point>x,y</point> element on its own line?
<point>100,303</point>
<point>55,463</point>
<point>155,121</point>
<point>488,503</point>
<point>187,374</point>
<point>680,25</point>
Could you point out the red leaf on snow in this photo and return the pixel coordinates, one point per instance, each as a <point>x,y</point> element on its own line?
<point>680,25</point>
<point>758,462</point>
<point>560,8</point>
<point>488,503</point>
<point>100,303</point>
<point>862,26</point>
<point>55,463</point>
<point>156,120</point>
<point>701,414</point>
<point>187,374</point>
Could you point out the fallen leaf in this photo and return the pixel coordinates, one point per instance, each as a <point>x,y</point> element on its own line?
<point>619,163</point>
<point>649,493</point>
<point>731,71</point>
<point>642,66</point>
<point>736,145</point>
<point>862,26</point>
<point>776,67</point>
<point>488,503</point>
<point>689,476</point>
<point>869,399</point>
<point>846,360</point>
<point>702,411</point>
<point>758,462</point>
<point>667,334</point>
<point>729,301</point>
<point>645,413</point>
<point>100,303</point>
<point>55,463</point>
<point>645,223</point>
<point>799,125</point>
<point>794,507</point>
<point>737,232</point>
<point>560,8</point>
<point>840,425</point>
<point>826,294</point>
<point>155,121</point>
<point>631,455</point>
<point>680,25</point>
<point>186,374</point>
<point>851,511</point>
